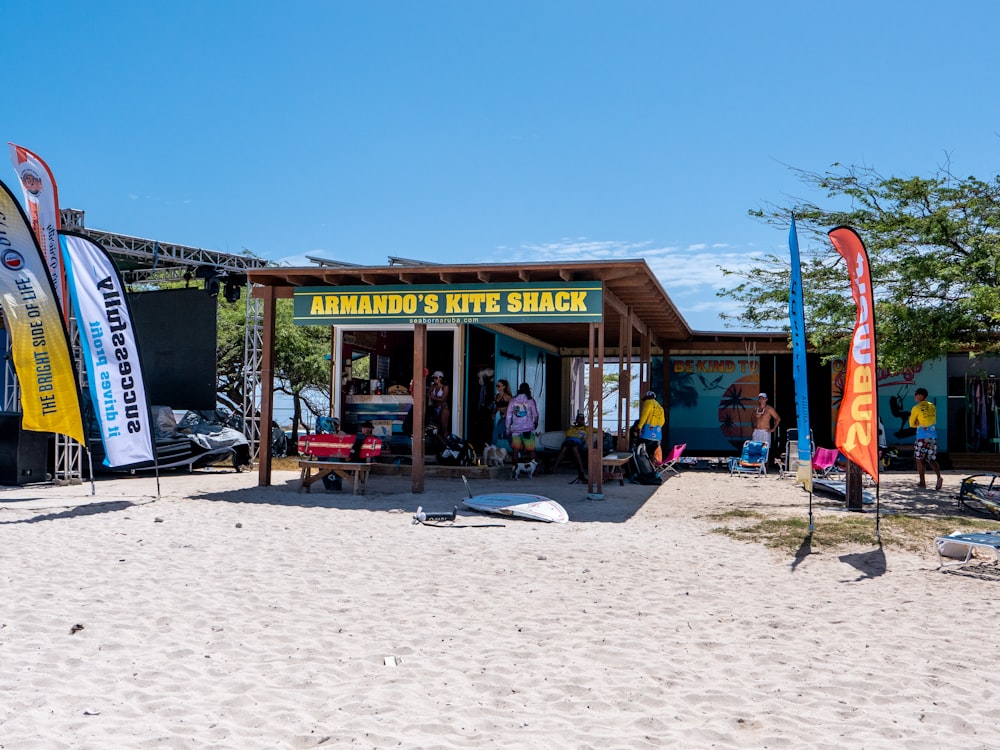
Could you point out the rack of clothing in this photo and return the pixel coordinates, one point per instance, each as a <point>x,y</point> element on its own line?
<point>982,394</point>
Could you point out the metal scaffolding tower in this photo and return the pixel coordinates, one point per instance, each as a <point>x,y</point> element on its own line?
<point>149,262</point>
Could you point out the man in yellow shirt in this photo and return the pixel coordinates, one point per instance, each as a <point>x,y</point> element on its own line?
<point>650,424</point>
<point>923,416</point>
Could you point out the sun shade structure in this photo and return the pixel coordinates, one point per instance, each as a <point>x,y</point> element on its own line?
<point>635,315</point>
<point>630,289</point>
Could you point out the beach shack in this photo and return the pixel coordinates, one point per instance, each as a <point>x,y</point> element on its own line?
<point>544,324</point>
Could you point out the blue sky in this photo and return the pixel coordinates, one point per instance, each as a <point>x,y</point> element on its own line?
<point>484,132</point>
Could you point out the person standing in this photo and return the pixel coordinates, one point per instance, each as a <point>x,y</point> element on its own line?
<point>500,403</point>
<point>765,421</point>
<point>650,424</point>
<point>522,422</point>
<point>437,400</point>
<point>923,416</point>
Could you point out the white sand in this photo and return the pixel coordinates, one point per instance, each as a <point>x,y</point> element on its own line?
<point>224,615</point>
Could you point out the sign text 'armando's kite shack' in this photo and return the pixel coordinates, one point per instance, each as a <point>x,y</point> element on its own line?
<point>572,302</point>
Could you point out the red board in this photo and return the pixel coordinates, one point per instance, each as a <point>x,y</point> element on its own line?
<point>325,447</point>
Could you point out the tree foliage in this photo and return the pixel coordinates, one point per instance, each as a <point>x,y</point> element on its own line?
<point>229,365</point>
<point>301,367</point>
<point>934,251</point>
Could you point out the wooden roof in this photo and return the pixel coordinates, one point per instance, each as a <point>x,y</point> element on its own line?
<point>629,285</point>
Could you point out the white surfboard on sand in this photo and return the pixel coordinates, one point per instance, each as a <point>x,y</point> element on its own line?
<point>534,507</point>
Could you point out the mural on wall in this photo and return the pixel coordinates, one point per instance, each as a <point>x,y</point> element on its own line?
<point>895,398</point>
<point>712,401</point>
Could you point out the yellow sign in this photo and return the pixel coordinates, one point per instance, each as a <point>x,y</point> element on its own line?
<point>486,303</point>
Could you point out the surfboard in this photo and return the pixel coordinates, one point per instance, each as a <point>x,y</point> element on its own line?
<point>551,441</point>
<point>534,507</point>
<point>840,489</point>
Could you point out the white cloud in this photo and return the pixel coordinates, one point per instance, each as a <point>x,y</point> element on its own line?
<point>689,274</point>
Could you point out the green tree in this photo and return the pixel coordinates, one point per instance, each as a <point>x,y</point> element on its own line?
<point>229,365</point>
<point>301,364</point>
<point>301,367</point>
<point>934,250</point>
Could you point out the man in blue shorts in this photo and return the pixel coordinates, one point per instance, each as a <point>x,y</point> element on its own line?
<point>923,416</point>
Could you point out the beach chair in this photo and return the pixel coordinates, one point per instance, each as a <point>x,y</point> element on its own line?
<point>963,546</point>
<point>825,463</point>
<point>752,460</point>
<point>788,462</point>
<point>672,458</point>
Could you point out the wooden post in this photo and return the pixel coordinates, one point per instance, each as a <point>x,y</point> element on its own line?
<point>624,377</point>
<point>854,489</point>
<point>266,389</point>
<point>419,406</point>
<point>595,419</point>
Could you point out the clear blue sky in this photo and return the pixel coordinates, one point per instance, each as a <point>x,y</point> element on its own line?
<point>466,131</point>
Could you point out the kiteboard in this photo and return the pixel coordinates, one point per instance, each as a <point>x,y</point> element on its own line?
<point>533,507</point>
<point>840,490</point>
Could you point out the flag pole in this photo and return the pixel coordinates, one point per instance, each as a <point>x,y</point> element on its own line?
<point>90,466</point>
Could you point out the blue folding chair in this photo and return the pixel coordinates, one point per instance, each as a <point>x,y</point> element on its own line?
<point>752,459</point>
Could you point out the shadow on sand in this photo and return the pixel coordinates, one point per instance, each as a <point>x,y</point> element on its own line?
<point>869,564</point>
<point>86,509</point>
<point>441,494</point>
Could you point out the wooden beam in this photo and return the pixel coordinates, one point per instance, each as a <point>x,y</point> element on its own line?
<point>613,302</point>
<point>419,404</point>
<point>595,419</point>
<point>645,365</point>
<point>624,375</point>
<point>266,389</point>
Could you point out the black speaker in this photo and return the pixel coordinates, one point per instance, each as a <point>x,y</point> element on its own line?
<point>24,455</point>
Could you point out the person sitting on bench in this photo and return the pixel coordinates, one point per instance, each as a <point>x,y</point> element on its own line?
<point>576,435</point>
<point>332,481</point>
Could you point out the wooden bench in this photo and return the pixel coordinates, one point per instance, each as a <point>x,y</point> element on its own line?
<point>356,473</point>
<point>329,454</point>
<point>612,465</point>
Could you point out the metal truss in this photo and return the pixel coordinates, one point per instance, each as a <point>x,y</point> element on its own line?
<point>253,361</point>
<point>145,261</point>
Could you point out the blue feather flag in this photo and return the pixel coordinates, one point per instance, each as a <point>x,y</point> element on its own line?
<point>797,320</point>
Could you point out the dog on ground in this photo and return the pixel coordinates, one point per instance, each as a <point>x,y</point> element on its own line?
<point>524,467</point>
<point>494,455</point>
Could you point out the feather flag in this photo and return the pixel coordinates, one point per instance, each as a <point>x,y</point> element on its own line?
<point>42,201</point>
<point>797,320</point>
<point>110,350</point>
<point>857,421</point>
<point>50,400</point>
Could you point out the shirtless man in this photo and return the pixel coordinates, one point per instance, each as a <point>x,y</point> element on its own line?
<point>763,416</point>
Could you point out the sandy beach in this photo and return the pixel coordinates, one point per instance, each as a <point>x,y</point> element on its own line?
<point>223,615</point>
